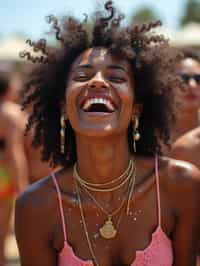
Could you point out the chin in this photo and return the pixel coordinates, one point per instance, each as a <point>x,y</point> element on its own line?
<point>99,124</point>
<point>97,131</point>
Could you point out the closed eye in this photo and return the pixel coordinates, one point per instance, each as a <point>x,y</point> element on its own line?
<point>81,77</point>
<point>116,79</point>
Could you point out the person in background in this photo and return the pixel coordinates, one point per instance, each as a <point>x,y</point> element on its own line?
<point>188,112</point>
<point>101,103</point>
<point>37,169</point>
<point>13,161</point>
<point>187,144</point>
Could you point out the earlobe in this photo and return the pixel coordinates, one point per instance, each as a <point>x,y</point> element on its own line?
<point>137,110</point>
<point>63,109</point>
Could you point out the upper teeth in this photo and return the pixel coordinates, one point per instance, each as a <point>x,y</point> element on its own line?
<point>89,102</point>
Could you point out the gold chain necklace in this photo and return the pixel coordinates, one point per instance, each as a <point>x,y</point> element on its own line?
<point>108,230</point>
<point>85,226</point>
<point>115,180</point>
<point>82,182</point>
<point>84,222</point>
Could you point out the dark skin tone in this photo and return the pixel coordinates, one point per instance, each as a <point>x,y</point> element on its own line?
<point>100,140</point>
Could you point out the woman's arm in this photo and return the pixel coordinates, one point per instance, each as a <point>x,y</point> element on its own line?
<point>32,227</point>
<point>185,196</point>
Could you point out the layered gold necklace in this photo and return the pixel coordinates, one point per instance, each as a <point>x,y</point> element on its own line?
<point>99,187</point>
<point>109,230</point>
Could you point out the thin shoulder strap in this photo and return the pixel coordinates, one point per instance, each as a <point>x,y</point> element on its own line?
<point>60,205</point>
<point>158,190</point>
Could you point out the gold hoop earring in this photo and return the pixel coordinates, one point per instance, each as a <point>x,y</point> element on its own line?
<point>136,134</point>
<point>62,134</point>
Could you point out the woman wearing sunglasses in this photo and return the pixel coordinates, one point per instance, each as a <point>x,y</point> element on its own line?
<point>187,146</point>
<point>189,72</point>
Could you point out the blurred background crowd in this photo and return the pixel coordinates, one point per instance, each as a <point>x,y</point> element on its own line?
<point>20,163</point>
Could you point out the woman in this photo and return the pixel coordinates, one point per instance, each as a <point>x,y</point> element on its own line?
<point>115,202</point>
<point>189,71</point>
<point>13,164</point>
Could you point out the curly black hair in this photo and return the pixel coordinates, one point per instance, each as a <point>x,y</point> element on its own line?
<point>153,64</point>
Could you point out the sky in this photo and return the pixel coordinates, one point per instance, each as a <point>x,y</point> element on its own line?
<point>27,16</point>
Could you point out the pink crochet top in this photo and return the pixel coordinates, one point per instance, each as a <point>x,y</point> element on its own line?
<point>158,253</point>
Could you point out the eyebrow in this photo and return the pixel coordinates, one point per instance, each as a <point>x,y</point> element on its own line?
<point>117,67</point>
<point>120,67</point>
<point>84,66</point>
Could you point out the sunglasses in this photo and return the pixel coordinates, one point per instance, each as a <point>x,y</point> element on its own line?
<point>186,78</point>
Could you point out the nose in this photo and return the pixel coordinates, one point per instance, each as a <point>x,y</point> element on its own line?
<point>98,82</point>
<point>192,83</point>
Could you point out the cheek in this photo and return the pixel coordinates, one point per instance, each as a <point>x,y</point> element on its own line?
<point>129,97</point>
<point>71,92</point>
<point>126,90</point>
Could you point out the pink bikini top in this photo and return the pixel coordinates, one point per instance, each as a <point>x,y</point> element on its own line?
<point>158,253</point>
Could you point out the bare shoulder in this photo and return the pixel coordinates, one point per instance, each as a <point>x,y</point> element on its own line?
<point>36,199</point>
<point>41,197</point>
<point>187,147</point>
<point>182,183</point>
<point>189,140</point>
<point>37,219</point>
<point>32,214</point>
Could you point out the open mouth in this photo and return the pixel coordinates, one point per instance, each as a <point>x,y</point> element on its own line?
<point>98,105</point>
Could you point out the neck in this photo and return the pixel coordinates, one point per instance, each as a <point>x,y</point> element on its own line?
<point>102,160</point>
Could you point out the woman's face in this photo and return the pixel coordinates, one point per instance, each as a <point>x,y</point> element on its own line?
<point>189,71</point>
<point>99,94</point>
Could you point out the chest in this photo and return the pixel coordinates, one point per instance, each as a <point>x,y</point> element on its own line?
<point>134,232</point>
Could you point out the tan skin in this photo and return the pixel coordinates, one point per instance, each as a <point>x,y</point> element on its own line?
<point>22,157</point>
<point>13,159</point>
<point>190,98</point>
<point>187,147</point>
<point>19,158</point>
<point>100,140</point>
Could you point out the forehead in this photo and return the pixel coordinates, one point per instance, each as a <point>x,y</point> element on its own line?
<point>190,64</point>
<point>99,56</point>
